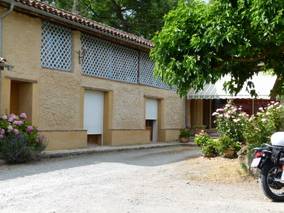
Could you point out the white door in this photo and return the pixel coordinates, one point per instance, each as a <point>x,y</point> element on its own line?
<point>151,113</point>
<point>94,112</point>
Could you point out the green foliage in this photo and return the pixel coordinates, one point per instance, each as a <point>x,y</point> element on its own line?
<point>202,138</point>
<point>185,133</point>
<point>19,140</point>
<point>202,42</point>
<point>262,125</point>
<point>210,149</point>
<point>209,146</point>
<point>15,149</point>
<point>231,121</point>
<point>235,126</point>
<point>228,144</point>
<point>143,18</point>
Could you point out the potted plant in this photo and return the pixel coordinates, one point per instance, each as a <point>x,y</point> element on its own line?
<point>198,128</point>
<point>228,147</point>
<point>184,135</point>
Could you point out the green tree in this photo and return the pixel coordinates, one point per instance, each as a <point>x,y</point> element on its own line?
<point>143,18</point>
<point>201,42</point>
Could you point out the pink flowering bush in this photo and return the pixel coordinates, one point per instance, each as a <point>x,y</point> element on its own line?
<point>231,121</point>
<point>238,128</point>
<point>262,125</point>
<point>19,140</point>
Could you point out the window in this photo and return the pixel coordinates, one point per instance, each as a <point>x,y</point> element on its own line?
<point>56,47</point>
<point>105,59</point>
<point>146,68</point>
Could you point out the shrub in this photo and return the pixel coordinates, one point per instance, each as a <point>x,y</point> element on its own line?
<point>210,149</point>
<point>231,121</point>
<point>262,125</point>
<point>228,147</point>
<point>15,149</point>
<point>201,138</point>
<point>19,140</point>
<point>185,133</point>
<point>209,146</point>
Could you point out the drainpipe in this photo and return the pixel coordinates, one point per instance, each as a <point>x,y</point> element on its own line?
<point>2,16</point>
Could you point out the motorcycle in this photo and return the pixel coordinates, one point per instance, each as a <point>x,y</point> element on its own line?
<point>269,159</point>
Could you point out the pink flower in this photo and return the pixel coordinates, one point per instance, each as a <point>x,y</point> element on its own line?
<point>1,136</point>
<point>2,131</point>
<point>16,132</point>
<point>236,120</point>
<point>264,120</point>
<point>23,115</point>
<point>30,129</point>
<point>215,113</point>
<point>11,117</point>
<point>227,115</point>
<point>18,123</point>
<point>10,128</point>
<point>220,110</point>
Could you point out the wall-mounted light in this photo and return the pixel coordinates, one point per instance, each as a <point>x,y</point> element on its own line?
<point>3,64</point>
<point>81,54</point>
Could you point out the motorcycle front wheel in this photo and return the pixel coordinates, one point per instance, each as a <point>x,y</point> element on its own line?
<point>272,189</point>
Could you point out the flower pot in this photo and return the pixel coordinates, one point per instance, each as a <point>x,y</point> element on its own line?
<point>229,153</point>
<point>183,139</point>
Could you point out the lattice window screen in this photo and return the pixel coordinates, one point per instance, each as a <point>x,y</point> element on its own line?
<point>146,68</point>
<point>56,47</point>
<point>108,60</point>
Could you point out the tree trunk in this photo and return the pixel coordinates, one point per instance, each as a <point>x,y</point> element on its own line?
<point>75,7</point>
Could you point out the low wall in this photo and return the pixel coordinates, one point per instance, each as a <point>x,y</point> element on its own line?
<point>168,135</point>
<point>130,137</point>
<point>65,139</point>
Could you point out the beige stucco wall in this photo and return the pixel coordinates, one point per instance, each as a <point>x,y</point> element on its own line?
<point>58,96</point>
<point>57,140</point>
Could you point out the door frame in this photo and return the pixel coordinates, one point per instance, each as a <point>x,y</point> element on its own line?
<point>101,135</point>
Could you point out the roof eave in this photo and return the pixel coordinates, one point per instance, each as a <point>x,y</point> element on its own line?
<point>63,21</point>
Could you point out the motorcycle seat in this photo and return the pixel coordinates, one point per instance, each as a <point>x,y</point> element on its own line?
<point>277,139</point>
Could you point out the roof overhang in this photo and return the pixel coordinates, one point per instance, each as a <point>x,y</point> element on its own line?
<point>263,84</point>
<point>62,17</point>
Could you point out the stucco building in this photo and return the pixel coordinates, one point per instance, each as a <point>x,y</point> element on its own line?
<point>80,81</point>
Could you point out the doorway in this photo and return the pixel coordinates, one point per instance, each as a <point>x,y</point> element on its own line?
<point>21,98</point>
<point>151,118</point>
<point>152,126</point>
<point>94,116</point>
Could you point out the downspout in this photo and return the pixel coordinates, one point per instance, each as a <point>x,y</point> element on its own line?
<point>1,25</point>
<point>2,16</point>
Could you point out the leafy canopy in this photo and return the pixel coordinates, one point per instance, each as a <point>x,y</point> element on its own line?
<point>143,18</point>
<point>201,42</point>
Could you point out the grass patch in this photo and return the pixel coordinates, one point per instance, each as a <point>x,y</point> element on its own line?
<point>218,170</point>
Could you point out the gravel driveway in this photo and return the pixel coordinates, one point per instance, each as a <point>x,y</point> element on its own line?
<point>152,180</point>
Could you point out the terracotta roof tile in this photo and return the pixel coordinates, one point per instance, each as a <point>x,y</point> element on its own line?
<point>86,22</point>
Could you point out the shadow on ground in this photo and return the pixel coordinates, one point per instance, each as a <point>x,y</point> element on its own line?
<point>145,157</point>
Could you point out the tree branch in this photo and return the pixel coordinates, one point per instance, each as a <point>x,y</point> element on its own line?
<point>259,57</point>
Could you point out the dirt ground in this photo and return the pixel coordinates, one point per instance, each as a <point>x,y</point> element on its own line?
<point>158,180</point>
<point>218,170</point>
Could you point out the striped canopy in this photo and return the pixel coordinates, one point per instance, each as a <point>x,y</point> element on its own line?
<point>263,84</point>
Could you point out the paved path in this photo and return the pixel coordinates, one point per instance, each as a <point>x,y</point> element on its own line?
<point>145,181</point>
